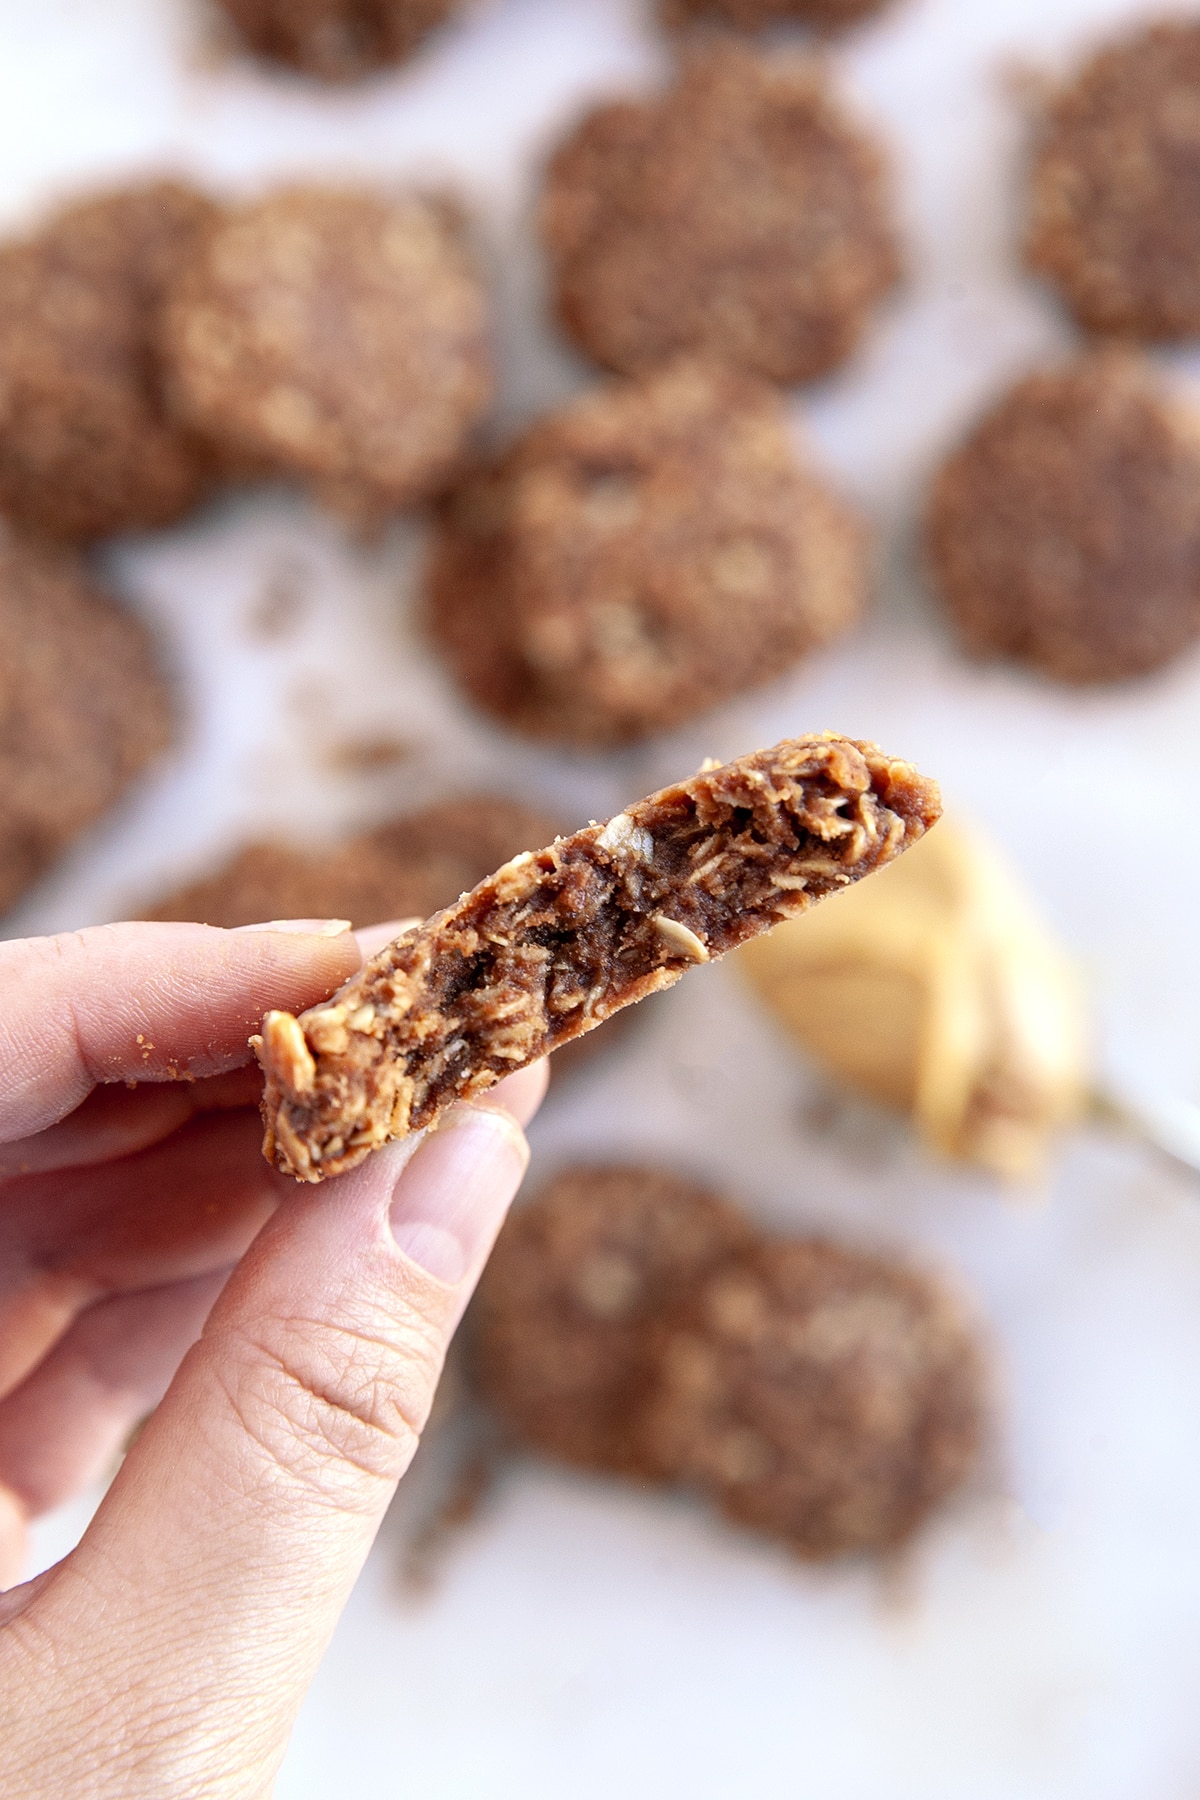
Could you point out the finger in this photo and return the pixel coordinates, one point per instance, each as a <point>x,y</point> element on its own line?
<point>374,938</point>
<point>180,1209</point>
<point>65,1423</point>
<point>229,1542</point>
<point>117,1121</point>
<point>520,1094</point>
<point>146,1003</point>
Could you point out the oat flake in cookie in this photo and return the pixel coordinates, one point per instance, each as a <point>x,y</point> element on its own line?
<point>742,214</point>
<point>562,1327</point>
<point>555,942</point>
<point>829,1398</point>
<point>1065,533</point>
<point>337,336</point>
<point>336,40</point>
<point>85,444</point>
<point>640,555</point>
<point>1114,204</point>
<point>83,707</point>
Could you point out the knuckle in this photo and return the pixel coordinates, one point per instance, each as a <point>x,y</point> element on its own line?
<point>335,1404</point>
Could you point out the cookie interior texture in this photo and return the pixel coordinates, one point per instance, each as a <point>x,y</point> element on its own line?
<point>86,446</point>
<point>741,215</point>
<point>336,40</point>
<point>557,941</point>
<point>635,1322</point>
<point>561,1329</point>
<point>1065,532</point>
<point>1116,170</point>
<point>84,704</point>
<point>336,335</point>
<point>640,555</point>
<point>406,868</point>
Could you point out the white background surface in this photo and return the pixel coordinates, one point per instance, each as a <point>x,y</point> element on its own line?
<point>1043,1642</point>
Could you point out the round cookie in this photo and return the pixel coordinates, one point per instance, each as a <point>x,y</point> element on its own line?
<point>408,868</point>
<point>1065,532</point>
<point>759,15</point>
<point>741,214</point>
<point>644,553</point>
<point>563,1321</point>
<point>336,40</point>
<point>826,1397</point>
<point>1114,206</point>
<point>85,445</point>
<point>335,335</point>
<point>83,703</point>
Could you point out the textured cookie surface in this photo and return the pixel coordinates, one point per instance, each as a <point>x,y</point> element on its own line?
<point>740,215</point>
<point>336,40</point>
<point>826,1397</point>
<point>556,942</point>
<point>83,708</point>
<point>1114,217</point>
<point>757,15</point>
<point>338,336</point>
<point>563,1319</point>
<point>1065,532</point>
<point>85,445</point>
<point>407,868</point>
<point>639,556</point>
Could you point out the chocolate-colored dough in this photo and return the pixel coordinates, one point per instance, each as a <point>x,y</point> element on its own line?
<point>1114,203</point>
<point>555,942</point>
<point>85,445</point>
<point>405,869</point>
<point>759,15</point>
<point>83,707</point>
<point>561,1328</point>
<point>338,336</point>
<point>741,214</point>
<point>640,555</point>
<point>336,40</point>
<point>826,1397</point>
<point>1065,533</point>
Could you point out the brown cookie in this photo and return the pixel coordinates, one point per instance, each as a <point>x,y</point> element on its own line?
<point>644,553</point>
<point>826,1397</point>
<point>1114,205</point>
<point>407,868</point>
<point>1065,532</point>
<point>563,1320</point>
<point>83,708</point>
<point>85,445</point>
<point>557,941</point>
<point>758,15</point>
<point>336,40</point>
<point>338,336</point>
<point>742,215</point>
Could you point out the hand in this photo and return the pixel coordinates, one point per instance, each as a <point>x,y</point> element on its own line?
<point>291,1336</point>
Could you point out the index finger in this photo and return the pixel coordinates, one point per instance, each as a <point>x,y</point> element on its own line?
<point>146,1002</point>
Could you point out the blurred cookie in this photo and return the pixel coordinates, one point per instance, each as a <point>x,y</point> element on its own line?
<point>826,1397</point>
<point>83,708</point>
<point>741,214</point>
<point>336,40</point>
<point>1065,532</point>
<point>408,868</point>
<point>562,1322</point>
<point>758,15</point>
<point>338,336</point>
<point>640,555</point>
<point>1114,207</point>
<point>85,445</point>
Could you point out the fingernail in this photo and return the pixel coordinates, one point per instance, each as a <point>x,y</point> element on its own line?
<point>307,927</point>
<point>374,938</point>
<point>451,1199</point>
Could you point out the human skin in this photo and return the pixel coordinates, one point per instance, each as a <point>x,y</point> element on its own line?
<point>290,1340</point>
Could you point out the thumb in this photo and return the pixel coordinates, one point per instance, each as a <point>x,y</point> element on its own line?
<point>227,1547</point>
